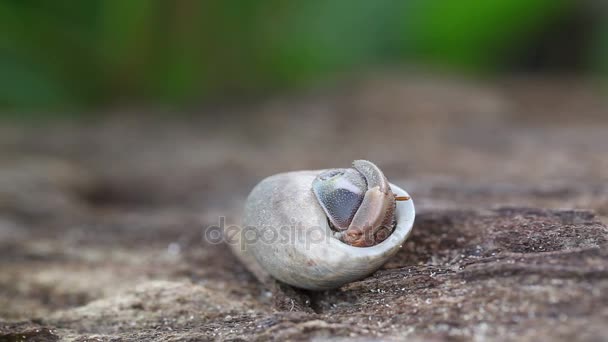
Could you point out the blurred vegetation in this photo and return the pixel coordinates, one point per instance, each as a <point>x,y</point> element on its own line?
<point>70,54</point>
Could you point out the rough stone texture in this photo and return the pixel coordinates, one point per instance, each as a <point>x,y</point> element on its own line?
<point>101,222</point>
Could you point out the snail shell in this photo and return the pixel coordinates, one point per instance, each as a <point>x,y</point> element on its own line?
<point>287,233</point>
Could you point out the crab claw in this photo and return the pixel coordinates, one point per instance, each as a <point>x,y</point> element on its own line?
<point>340,193</point>
<point>358,202</point>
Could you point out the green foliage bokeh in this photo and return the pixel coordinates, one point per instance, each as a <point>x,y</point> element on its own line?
<point>72,54</point>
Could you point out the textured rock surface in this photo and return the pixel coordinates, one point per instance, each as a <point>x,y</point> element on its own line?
<point>102,223</point>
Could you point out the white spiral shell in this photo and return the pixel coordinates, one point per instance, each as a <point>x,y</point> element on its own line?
<point>286,233</point>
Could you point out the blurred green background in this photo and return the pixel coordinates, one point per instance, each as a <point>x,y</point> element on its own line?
<point>57,55</point>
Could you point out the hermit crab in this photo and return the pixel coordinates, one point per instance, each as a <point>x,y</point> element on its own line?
<point>322,229</point>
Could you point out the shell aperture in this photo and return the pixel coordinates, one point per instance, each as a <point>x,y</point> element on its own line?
<point>358,202</point>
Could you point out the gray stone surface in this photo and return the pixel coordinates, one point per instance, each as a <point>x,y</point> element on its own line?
<point>101,222</point>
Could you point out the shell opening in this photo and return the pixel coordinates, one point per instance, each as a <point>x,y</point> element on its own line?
<point>358,203</point>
